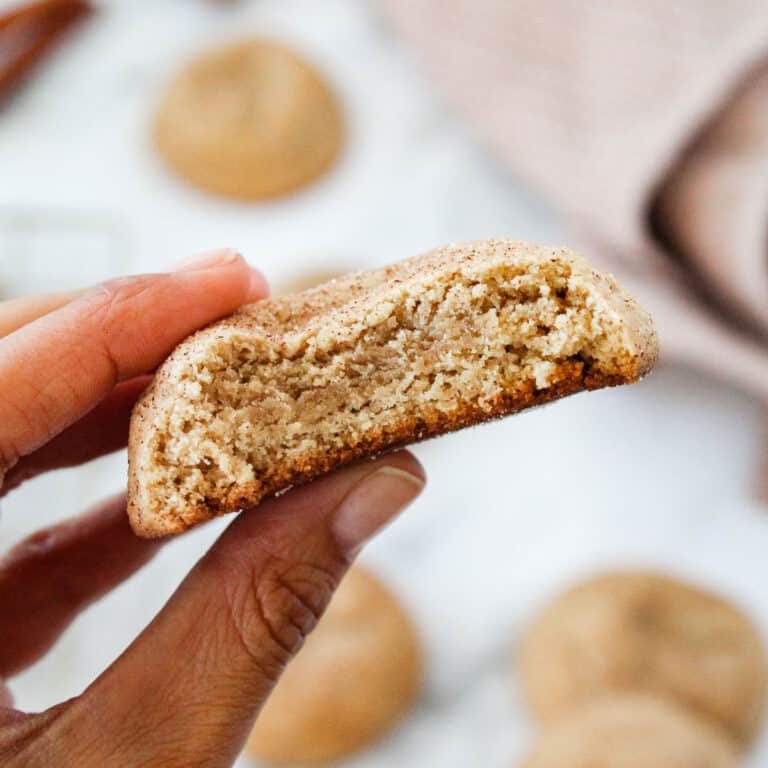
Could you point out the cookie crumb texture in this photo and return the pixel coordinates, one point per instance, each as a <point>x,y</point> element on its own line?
<point>289,388</point>
<point>249,121</point>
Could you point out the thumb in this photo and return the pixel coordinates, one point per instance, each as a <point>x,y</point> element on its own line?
<point>188,690</point>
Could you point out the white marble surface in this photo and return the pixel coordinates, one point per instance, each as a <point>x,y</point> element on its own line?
<point>660,474</point>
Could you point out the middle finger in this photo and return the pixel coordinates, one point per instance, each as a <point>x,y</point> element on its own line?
<point>16,313</point>
<point>102,431</point>
<point>50,577</point>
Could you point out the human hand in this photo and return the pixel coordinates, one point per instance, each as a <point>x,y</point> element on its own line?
<point>186,691</point>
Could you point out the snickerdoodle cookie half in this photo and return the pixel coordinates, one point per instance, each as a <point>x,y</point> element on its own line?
<point>289,388</point>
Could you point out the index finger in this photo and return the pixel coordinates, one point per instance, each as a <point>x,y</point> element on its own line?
<point>58,367</point>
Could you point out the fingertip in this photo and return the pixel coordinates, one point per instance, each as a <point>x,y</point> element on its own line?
<point>258,287</point>
<point>407,462</point>
<point>222,257</point>
<point>373,502</point>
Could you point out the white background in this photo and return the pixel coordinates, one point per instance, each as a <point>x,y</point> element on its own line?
<point>659,474</point>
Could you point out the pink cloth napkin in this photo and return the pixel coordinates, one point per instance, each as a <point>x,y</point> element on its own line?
<point>646,124</point>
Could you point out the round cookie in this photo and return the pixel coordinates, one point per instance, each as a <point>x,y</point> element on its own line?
<point>251,121</point>
<point>357,674</point>
<point>646,632</point>
<point>632,731</point>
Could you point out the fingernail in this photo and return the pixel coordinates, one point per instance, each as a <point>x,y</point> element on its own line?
<point>259,287</point>
<point>207,260</point>
<point>371,504</point>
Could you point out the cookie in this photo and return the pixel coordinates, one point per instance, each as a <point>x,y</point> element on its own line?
<point>292,387</point>
<point>631,731</point>
<point>250,121</point>
<point>646,632</point>
<point>356,676</point>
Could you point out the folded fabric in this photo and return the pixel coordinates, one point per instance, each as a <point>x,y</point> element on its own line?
<point>646,124</point>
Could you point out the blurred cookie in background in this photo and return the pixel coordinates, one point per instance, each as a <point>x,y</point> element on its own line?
<point>355,677</point>
<point>303,280</point>
<point>251,120</point>
<point>646,632</point>
<point>632,731</point>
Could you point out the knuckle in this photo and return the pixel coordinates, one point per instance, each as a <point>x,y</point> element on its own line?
<point>109,299</point>
<point>34,554</point>
<point>115,304</point>
<point>18,415</point>
<point>274,613</point>
<point>291,603</point>
<point>26,740</point>
<point>37,545</point>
